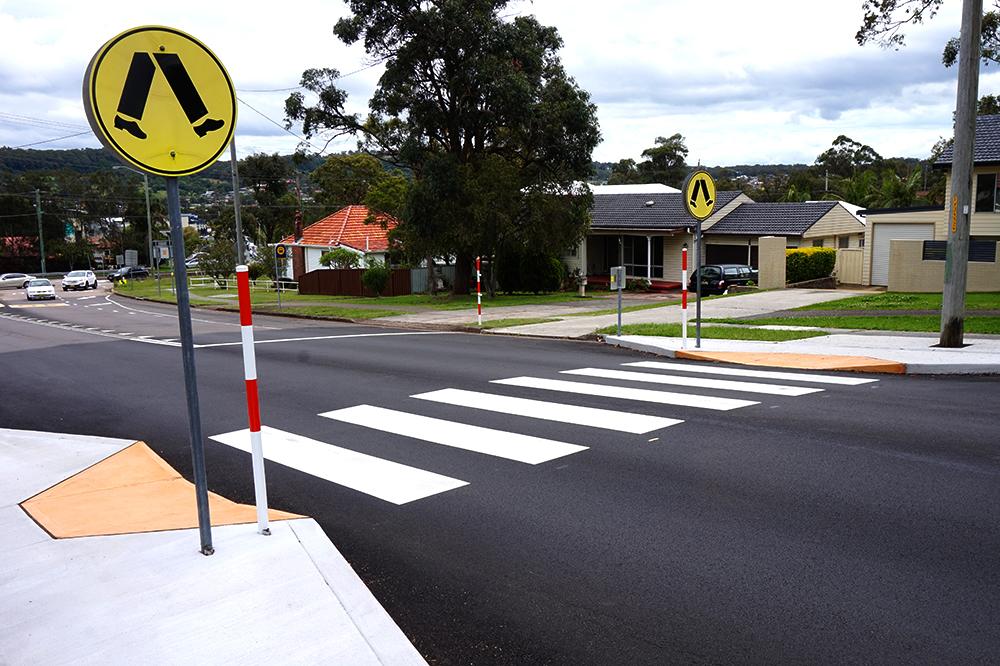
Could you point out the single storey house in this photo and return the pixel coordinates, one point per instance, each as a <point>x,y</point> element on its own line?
<point>347,228</point>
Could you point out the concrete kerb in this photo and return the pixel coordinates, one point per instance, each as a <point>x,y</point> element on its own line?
<point>912,356</point>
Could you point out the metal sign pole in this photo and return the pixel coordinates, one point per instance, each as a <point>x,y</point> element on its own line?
<point>697,286</point>
<point>277,279</point>
<point>187,355</point>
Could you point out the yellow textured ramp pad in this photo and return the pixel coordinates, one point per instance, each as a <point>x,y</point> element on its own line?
<point>800,361</point>
<point>132,491</point>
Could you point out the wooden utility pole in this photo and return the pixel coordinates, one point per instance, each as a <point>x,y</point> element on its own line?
<point>956,265</point>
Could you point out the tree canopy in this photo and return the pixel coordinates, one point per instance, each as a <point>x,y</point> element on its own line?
<point>480,109</point>
<point>664,163</point>
<point>846,156</point>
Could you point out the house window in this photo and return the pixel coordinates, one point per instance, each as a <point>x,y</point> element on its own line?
<point>818,242</point>
<point>986,193</point>
<point>844,242</point>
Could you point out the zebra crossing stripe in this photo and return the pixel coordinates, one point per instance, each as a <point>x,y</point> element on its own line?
<point>499,443</point>
<point>705,369</point>
<point>384,479</point>
<point>695,382</point>
<point>625,393</point>
<point>550,411</point>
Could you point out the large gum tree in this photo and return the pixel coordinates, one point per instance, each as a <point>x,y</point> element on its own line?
<point>478,107</point>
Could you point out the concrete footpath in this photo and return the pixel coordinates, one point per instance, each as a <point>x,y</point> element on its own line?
<point>116,592</point>
<point>898,354</point>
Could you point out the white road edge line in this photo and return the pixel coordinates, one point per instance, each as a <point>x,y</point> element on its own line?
<point>384,479</point>
<point>637,424</point>
<point>326,337</point>
<point>499,443</point>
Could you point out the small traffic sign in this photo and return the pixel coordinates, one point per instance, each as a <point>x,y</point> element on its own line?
<point>699,194</point>
<point>280,251</point>
<point>160,100</point>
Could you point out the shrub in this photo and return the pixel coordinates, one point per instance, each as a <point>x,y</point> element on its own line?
<point>534,272</point>
<point>340,258</point>
<point>376,276</point>
<point>637,284</point>
<point>809,263</point>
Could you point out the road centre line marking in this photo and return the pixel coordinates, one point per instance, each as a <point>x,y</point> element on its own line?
<point>89,331</point>
<point>326,337</point>
<point>637,424</point>
<point>509,445</point>
<point>694,382</point>
<point>384,479</point>
<point>703,368</point>
<point>625,393</point>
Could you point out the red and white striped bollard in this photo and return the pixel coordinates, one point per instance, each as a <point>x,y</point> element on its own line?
<point>684,297</point>
<point>253,402</point>
<point>479,293</point>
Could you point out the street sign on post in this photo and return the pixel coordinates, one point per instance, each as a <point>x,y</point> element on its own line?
<point>162,102</point>
<point>280,252</point>
<point>698,194</point>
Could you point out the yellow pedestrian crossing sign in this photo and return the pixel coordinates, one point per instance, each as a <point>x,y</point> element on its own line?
<point>160,100</point>
<point>699,194</point>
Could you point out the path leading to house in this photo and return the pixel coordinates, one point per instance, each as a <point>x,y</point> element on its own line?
<point>731,307</point>
<point>801,314</point>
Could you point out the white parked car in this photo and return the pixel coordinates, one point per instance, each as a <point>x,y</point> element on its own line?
<point>40,288</point>
<point>79,280</point>
<point>15,280</point>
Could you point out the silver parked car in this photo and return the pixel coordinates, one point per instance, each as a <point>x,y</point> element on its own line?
<point>14,280</point>
<point>79,280</point>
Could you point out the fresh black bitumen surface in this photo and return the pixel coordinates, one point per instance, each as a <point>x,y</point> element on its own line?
<point>858,524</point>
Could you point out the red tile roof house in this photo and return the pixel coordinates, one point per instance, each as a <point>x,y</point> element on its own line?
<point>347,229</point>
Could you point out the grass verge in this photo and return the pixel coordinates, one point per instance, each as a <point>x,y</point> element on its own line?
<point>899,301</point>
<point>717,332</point>
<point>332,311</point>
<point>907,323</point>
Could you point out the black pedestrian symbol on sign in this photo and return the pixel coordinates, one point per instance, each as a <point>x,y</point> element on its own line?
<point>132,104</point>
<point>701,186</point>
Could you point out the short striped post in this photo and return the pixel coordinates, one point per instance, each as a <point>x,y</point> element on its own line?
<point>684,297</point>
<point>479,292</point>
<point>253,403</point>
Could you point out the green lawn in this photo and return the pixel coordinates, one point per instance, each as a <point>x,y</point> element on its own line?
<point>333,311</point>
<point>514,321</point>
<point>914,323</point>
<point>206,295</point>
<point>901,301</point>
<point>717,332</point>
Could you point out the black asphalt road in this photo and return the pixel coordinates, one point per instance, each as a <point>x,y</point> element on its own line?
<point>858,524</point>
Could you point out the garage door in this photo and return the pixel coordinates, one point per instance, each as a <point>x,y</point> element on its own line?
<point>882,234</point>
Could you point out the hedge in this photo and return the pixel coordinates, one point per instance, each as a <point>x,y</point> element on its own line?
<point>809,263</point>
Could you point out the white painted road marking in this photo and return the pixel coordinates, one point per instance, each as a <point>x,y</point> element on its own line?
<point>706,369</point>
<point>509,445</point>
<point>551,411</point>
<point>326,337</point>
<point>695,382</point>
<point>384,479</point>
<point>642,395</point>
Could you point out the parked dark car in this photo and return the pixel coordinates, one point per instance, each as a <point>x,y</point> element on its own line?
<point>717,278</point>
<point>128,273</point>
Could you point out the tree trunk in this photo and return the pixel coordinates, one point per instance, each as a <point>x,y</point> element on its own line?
<point>463,272</point>
<point>431,278</point>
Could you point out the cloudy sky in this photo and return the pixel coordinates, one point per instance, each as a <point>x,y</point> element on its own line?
<point>744,82</point>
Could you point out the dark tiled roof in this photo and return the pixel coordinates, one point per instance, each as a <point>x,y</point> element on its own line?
<point>629,211</point>
<point>772,219</point>
<point>986,148</point>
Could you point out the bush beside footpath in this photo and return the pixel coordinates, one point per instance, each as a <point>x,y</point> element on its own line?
<point>809,263</point>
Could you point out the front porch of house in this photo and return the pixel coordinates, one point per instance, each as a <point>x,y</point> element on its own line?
<point>655,257</point>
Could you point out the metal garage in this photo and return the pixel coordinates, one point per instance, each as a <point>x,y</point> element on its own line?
<point>882,234</point>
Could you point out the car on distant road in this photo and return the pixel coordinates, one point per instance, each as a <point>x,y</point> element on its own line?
<point>40,288</point>
<point>15,280</point>
<point>192,261</point>
<point>79,280</point>
<point>128,273</point>
<point>718,278</point>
